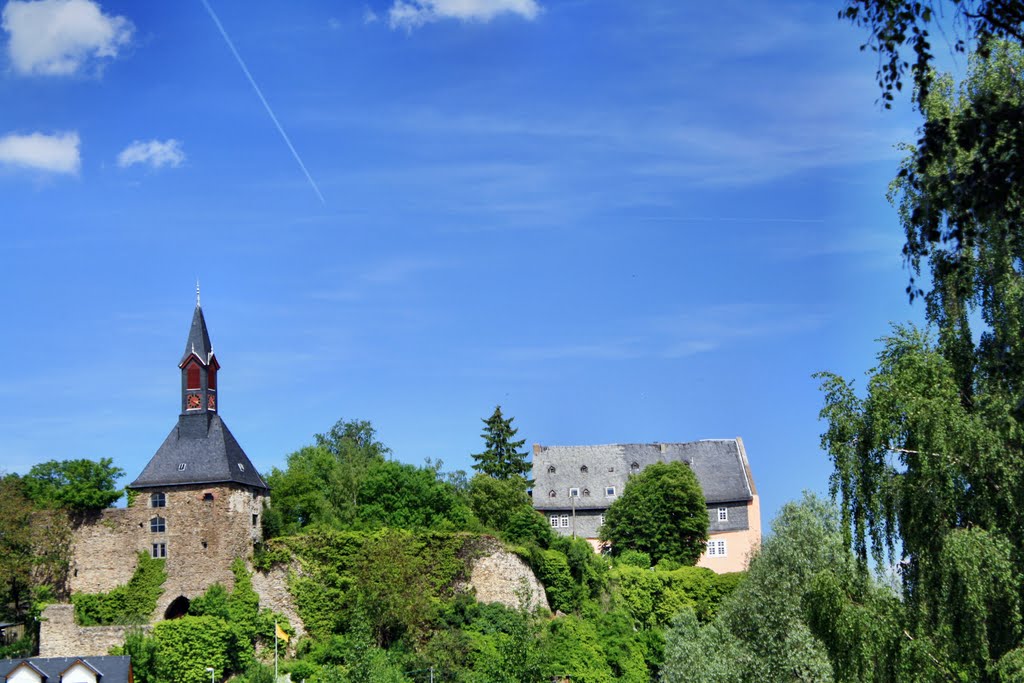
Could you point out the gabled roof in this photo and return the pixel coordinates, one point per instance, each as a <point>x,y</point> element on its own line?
<point>720,465</point>
<point>108,669</point>
<point>208,450</point>
<point>198,341</point>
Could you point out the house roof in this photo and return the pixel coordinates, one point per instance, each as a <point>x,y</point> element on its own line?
<point>209,452</point>
<point>109,669</point>
<point>198,341</point>
<point>721,467</point>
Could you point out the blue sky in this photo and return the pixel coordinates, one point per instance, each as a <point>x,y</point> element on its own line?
<point>622,221</point>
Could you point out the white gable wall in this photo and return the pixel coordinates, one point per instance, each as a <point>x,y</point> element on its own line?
<point>25,674</point>
<point>79,673</point>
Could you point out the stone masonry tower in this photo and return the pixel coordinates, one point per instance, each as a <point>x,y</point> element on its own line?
<point>200,498</point>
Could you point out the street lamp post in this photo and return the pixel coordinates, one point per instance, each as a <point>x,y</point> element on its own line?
<point>210,669</point>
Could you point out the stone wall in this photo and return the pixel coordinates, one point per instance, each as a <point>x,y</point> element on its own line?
<point>59,636</point>
<point>272,587</point>
<point>205,529</point>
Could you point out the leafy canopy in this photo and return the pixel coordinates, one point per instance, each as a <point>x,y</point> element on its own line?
<point>662,513</point>
<point>79,486</point>
<point>928,463</point>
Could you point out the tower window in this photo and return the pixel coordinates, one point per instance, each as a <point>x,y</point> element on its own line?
<point>158,525</point>
<point>159,550</point>
<point>207,497</point>
<point>193,376</point>
<point>211,378</point>
<point>157,500</point>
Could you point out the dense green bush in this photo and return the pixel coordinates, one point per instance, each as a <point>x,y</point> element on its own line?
<point>132,603</point>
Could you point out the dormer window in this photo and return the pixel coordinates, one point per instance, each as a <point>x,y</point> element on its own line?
<point>574,493</point>
<point>551,493</point>
<point>241,467</point>
<point>181,466</point>
<point>193,376</point>
<point>583,469</point>
<point>635,467</point>
<point>586,493</point>
<point>551,469</point>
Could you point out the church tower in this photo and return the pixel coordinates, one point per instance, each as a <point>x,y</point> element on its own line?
<point>199,501</point>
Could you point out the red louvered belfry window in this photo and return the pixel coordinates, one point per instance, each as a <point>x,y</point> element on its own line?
<point>193,375</point>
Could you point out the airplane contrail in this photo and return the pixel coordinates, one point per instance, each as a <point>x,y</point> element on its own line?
<point>266,105</point>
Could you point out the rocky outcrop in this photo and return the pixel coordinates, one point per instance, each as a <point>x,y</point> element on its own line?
<point>502,576</point>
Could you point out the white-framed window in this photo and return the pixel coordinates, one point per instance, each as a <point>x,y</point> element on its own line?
<point>723,514</point>
<point>554,521</point>
<point>565,521</point>
<point>157,500</point>
<point>609,491</point>
<point>716,548</point>
<point>159,550</point>
<point>158,525</point>
<point>574,493</point>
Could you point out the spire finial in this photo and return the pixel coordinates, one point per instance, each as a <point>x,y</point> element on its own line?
<point>197,292</point>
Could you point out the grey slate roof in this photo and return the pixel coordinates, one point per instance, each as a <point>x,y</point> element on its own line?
<point>111,669</point>
<point>198,341</point>
<point>209,451</point>
<point>720,465</point>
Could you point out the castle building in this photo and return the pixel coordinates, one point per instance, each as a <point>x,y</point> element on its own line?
<point>197,504</point>
<point>575,485</point>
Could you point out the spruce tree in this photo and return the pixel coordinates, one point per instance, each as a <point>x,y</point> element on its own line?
<point>502,458</point>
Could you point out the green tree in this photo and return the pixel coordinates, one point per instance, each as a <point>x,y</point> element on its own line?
<point>321,483</point>
<point>79,486</point>
<point>928,463</point>
<point>16,547</point>
<point>502,458</point>
<point>987,132</point>
<point>802,613</point>
<point>409,497</point>
<point>496,501</point>
<point>662,513</point>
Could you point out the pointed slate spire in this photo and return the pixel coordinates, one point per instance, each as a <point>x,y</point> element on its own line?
<point>198,338</point>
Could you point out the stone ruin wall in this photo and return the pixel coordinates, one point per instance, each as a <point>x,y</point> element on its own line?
<point>206,529</point>
<point>60,636</point>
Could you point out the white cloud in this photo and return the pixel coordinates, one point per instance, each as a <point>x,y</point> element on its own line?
<point>153,152</point>
<point>54,153</point>
<point>58,37</point>
<point>410,14</point>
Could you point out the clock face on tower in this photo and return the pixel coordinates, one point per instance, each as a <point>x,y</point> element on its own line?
<point>211,402</point>
<point>193,402</point>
